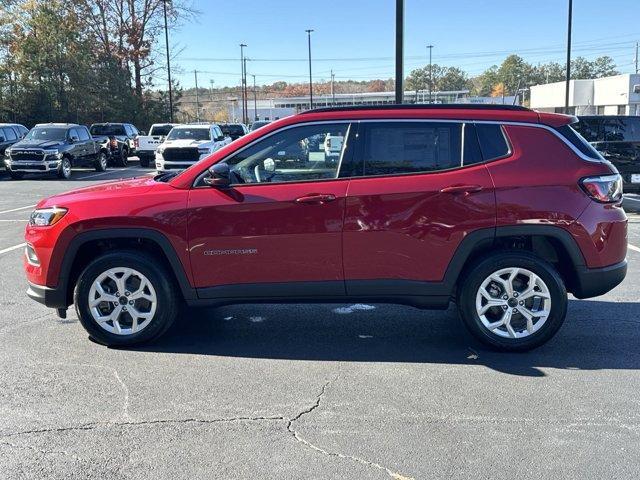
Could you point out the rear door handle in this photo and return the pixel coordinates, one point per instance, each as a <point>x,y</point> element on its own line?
<point>461,189</point>
<point>318,198</point>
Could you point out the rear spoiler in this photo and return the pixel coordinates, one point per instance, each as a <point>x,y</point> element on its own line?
<point>556,120</point>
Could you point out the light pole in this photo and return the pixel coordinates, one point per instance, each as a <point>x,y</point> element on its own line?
<point>310,76</point>
<point>166,39</point>
<point>333,92</point>
<point>242,81</point>
<point>430,47</point>
<point>195,73</point>
<point>569,21</point>
<point>255,99</point>
<point>399,51</point>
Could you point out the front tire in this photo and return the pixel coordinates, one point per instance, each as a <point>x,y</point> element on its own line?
<point>125,298</point>
<point>512,301</point>
<point>64,170</point>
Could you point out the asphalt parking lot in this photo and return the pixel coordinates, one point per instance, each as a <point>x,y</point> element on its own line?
<point>311,391</point>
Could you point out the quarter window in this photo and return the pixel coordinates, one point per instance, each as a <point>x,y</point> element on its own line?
<point>392,148</point>
<point>309,152</point>
<point>493,143</point>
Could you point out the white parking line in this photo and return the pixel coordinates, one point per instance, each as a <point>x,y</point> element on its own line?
<point>633,247</point>
<point>102,173</point>
<point>11,249</point>
<point>17,209</point>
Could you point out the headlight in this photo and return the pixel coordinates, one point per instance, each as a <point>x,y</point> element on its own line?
<point>45,217</point>
<point>7,152</point>
<point>54,152</point>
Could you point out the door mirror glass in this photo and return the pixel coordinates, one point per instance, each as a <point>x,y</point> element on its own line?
<point>219,176</point>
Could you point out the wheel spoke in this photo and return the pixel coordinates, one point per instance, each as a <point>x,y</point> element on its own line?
<point>102,297</point>
<point>494,302</point>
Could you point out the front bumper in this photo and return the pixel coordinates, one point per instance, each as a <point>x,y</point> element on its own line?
<point>50,297</point>
<point>32,166</point>
<point>592,282</point>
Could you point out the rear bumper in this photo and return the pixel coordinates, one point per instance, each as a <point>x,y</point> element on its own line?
<point>592,282</point>
<point>50,297</point>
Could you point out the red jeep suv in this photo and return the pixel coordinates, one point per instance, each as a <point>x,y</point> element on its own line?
<point>501,209</point>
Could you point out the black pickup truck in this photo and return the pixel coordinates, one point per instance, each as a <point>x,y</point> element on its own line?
<point>55,148</point>
<point>118,139</point>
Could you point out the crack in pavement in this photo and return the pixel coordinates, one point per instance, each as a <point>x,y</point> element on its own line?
<point>362,461</point>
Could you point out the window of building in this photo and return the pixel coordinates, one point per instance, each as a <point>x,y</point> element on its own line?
<point>600,110</point>
<point>622,109</point>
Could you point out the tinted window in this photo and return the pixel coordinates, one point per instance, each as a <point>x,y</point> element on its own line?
<point>47,133</point>
<point>160,130</point>
<point>9,134</point>
<point>185,133</point>
<point>232,129</point>
<point>621,129</point>
<point>309,152</point>
<point>83,133</point>
<point>411,147</point>
<point>493,143</point>
<point>577,141</point>
<point>73,133</point>
<point>107,130</point>
<point>589,129</point>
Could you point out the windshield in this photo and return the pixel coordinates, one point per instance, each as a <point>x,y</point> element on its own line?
<point>107,130</point>
<point>189,134</point>
<point>232,129</point>
<point>160,129</point>
<point>47,133</point>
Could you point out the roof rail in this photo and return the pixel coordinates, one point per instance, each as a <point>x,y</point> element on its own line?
<point>419,106</point>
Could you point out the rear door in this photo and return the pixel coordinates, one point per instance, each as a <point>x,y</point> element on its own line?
<point>421,190</point>
<point>89,148</point>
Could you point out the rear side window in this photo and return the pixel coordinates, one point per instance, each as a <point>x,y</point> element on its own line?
<point>411,147</point>
<point>160,130</point>
<point>83,133</point>
<point>9,134</point>
<point>493,143</point>
<point>579,142</point>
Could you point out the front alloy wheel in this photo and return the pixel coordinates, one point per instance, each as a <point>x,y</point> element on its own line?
<point>126,298</point>
<point>64,170</point>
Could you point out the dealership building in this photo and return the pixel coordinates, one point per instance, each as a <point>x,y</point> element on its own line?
<point>617,95</point>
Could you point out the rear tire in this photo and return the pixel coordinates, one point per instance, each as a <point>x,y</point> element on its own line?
<point>516,318</point>
<point>154,304</point>
<point>144,162</point>
<point>123,159</point>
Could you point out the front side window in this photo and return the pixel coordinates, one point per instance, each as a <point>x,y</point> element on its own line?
<point>309,152</point>
<point>197,134</point>
<point>83,134</point>
<point>392,148</point>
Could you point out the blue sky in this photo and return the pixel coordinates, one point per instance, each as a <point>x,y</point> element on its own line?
<point>355,38</point>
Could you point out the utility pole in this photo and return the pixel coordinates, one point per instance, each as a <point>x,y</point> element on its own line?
<point>195,73</point>
<point>166,39</point>
<point>333,92</point>
<point>569,21</point>
<point>399,51</point>
<point>637,51</point>
<point>242,81</point>
<point>255,99</point>
<point>310,76</point>
<point>430,47</point>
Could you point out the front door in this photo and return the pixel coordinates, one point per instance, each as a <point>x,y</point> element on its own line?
<point>277,230</point>
<point>421,191</point>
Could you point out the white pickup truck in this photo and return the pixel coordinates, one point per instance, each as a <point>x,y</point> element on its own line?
<point>189,143</point>
<point>146,145</point>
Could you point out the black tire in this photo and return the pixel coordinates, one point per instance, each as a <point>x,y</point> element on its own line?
<point>161,280</point>
<point>123,158</point>
<point>144,162</point>
<point>101,162</point>
<point>481,270</point>
<point>16,175</point>
<point>64,170</point>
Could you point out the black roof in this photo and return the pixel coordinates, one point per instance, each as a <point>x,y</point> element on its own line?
<point>419,106</point>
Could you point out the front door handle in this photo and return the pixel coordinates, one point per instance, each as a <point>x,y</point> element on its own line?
<point>317,198</point>
<point>461,189</point>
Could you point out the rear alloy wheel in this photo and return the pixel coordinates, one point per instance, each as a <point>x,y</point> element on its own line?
<point>513,301</point>
<point>101,162</point>
<point>123,161</point>
<point>64,170</point>
<point>124,298</point>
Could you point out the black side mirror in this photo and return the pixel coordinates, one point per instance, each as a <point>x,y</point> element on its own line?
<point>220,176</point>
<point>73,139</point>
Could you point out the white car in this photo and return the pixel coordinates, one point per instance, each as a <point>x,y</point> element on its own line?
<point>146,145</point>
<point>187,144</point>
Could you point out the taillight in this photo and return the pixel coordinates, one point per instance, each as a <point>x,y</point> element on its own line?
<point>604,189</point>
<point>136,142</point>
<point>113,143</point>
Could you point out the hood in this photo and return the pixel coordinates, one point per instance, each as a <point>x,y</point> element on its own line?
<point>46,144</point>
<point>116,188</point>
<point>184,143</point>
